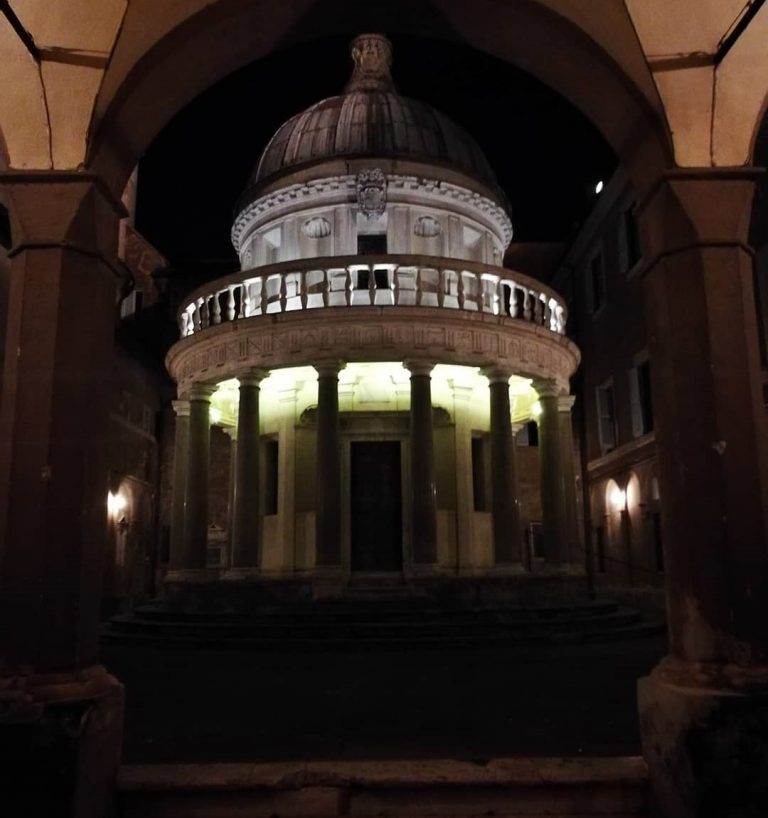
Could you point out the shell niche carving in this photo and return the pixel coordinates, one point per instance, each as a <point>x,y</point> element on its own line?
<point>318,227</point>
<point>427,227</point>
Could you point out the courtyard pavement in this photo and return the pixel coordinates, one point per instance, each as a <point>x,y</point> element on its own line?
<point>186,704</point>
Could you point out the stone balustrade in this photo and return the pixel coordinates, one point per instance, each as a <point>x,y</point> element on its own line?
<point>391,280</point>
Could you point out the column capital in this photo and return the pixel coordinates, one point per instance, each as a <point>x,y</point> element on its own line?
<point>497,374</point>
<point>200,392</point>
<point>565,403</point>
<point>419,366</point>
<point>546,388</point>
<point>329,368</point>
<point>252,377</point>
<point>181,408</point>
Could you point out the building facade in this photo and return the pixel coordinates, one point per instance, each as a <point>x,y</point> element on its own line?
<point>372,362</point>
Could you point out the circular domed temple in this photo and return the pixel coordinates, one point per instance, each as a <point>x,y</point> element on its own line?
<point>373,361</point>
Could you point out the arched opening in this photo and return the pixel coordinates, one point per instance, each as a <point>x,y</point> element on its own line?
<point>601,71</point>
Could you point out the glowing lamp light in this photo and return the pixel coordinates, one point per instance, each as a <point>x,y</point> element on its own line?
<point>618,499</point>
<point>536,409</point>
<point>599,188</point>
<point>115,504</point>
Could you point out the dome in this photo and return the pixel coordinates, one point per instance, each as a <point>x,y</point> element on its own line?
<point>370,119</point>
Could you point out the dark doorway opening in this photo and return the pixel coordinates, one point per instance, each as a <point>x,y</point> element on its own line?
<point>375,502</point>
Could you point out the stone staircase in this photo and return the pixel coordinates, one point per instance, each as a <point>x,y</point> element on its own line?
<point>379,621</point>
<point>436,788</point>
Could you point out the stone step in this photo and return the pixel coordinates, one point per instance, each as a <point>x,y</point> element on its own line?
<point>430,788</point>
<point>366,639</point>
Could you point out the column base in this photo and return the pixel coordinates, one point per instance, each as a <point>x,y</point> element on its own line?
<point>506,569</point>
<point>60,742</point>
<point>234,574</point>
<point>191,575</point>
<point>705,742</point>
<point>424,570</point>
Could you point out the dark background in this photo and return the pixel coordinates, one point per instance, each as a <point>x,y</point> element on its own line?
<point>547,156</point>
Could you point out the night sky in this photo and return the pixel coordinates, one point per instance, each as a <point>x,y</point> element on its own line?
<point>546,155</point>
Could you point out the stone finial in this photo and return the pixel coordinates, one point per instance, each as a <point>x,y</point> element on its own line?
<point>372,56</point>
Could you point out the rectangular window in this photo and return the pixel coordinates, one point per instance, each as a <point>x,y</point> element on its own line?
<point>373,244</point>
<point>596,282</point>
<point>271,456</point>
<point>599,539</point>
<point>606,417</point>
<point>640,399</point>
<point>478,474</point>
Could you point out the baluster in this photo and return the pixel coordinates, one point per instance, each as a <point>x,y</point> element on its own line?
<point>304,295</point>
<point>231,302</point>
<point>460,289</point>
<point>348,288</point>
<point>418,286</point>
<point>372,283</point>
<point>537,309</point>
<point>196,322</point>
<point>216,309</point>
<point>326,288</point>
<point>527,296</point>
<point>203,310</point>
<point>441,276</point>
<point>263,295</point>
<point>480,293</point>
<point>547,315</point>
<point>283,291</point>
<point>183,324</point>
<point>396,284</point>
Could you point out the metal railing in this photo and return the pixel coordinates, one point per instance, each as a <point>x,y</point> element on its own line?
<point>381,281</point>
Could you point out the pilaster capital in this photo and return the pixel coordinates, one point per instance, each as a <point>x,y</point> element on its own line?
<point>72,210</point>
<point>329,368</point>
<point>697,207</point>
<point>565,403</point>
<point>419,366</point>
<point>181,408</point>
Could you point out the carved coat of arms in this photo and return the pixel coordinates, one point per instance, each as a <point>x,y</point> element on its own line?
<point>372,192</point>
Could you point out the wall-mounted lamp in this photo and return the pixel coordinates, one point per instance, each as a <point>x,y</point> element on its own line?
<point>116,503</point>
<point>618,499</point>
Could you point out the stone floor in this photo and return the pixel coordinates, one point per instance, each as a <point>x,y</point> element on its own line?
<point>198,705</point>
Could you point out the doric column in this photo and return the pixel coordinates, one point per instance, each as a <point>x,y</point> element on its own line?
<point>553,504</point>
<point>195,539</point>
<point>707,702</point>
<point>507,536</point>
<point>58,384</point>
<point>180,453</point>
<point>423,495</point>
<point>328,481</point>
<point>573,555</point>
<point>246,500</point>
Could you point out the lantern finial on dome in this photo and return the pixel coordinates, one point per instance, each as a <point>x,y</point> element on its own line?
<point>372,56</point>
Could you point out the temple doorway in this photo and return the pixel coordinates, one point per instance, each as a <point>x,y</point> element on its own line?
<point>376,523</point>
